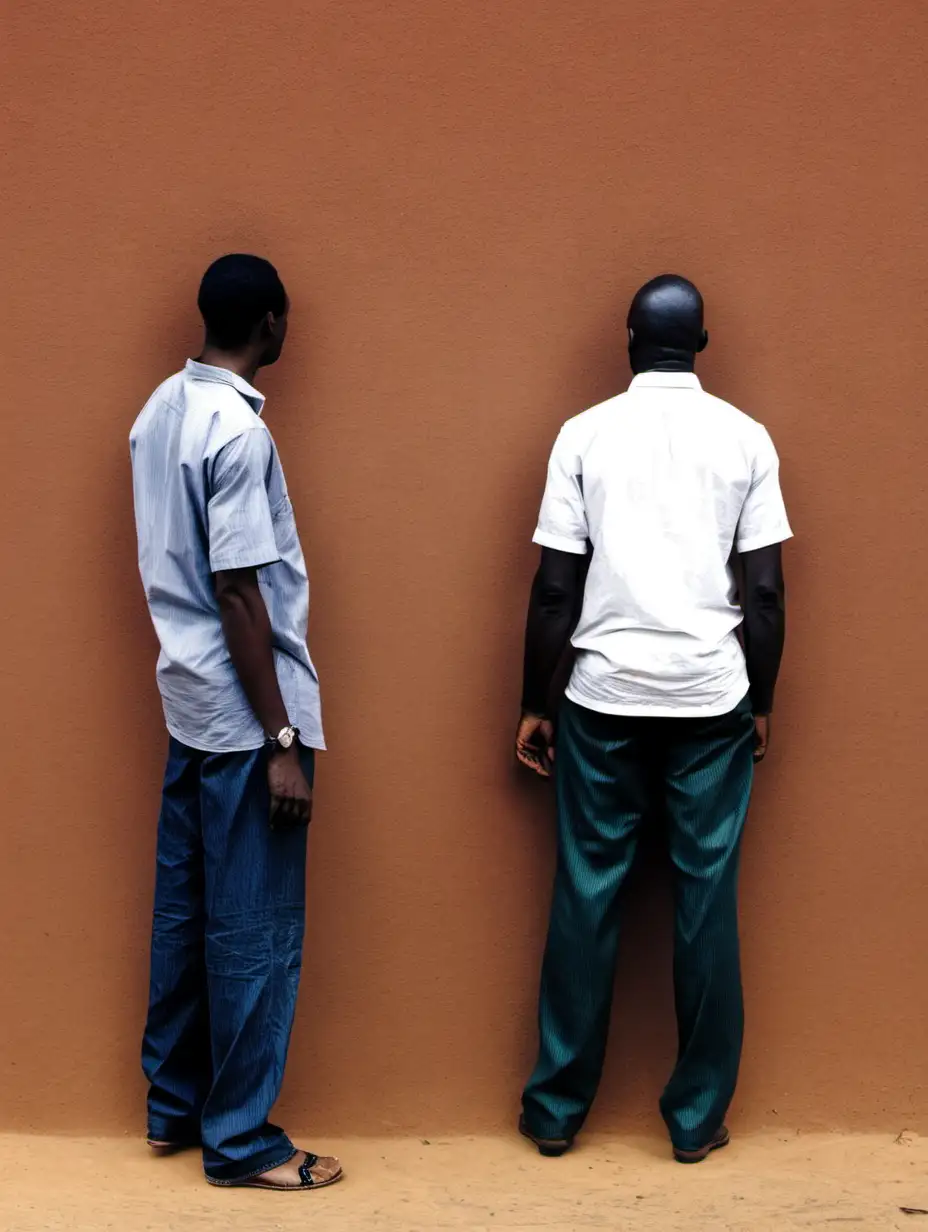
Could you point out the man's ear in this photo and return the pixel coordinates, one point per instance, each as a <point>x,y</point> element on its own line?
<point>703,342</point>
<point>631,336</point>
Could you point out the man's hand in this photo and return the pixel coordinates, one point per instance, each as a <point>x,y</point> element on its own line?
<point>291,794</point>
<point>535,744</point>
<point>761,736</point>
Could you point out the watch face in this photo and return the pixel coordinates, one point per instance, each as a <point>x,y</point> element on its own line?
<point>285,739</point>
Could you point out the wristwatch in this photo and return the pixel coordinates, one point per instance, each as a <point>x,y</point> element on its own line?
<point>282,741</point>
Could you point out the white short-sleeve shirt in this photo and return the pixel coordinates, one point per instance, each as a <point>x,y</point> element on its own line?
<point>663,483</point>
<point>210,495</point>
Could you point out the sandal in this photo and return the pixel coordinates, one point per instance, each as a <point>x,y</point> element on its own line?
<point>551,1148</point>
<point>722,1138</point>
<point>307,1180</point>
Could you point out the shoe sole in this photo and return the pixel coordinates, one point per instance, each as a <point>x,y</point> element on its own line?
<point>698,1157</point>
<point>549,1148</point>
<point>257,1185</point>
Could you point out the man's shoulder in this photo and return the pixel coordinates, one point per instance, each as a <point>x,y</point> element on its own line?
<point>167,397</point>
<point>728,424</point>
<point>227,412</point>
<point>731,417</point>
<point>213,411</point>
<point>586,423</point>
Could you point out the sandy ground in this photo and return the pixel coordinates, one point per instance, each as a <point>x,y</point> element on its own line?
<point>760,1183</point>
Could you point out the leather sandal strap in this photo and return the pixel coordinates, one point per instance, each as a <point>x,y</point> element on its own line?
<point>306,1176</point>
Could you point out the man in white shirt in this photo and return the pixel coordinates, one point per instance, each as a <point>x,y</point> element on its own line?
<point>665,490</point>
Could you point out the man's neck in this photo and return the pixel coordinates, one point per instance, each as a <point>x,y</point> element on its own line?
<point>243,364</point>
<point>648,358</point>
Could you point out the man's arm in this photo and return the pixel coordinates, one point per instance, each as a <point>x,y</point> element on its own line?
<point>764,604</point>
<point>247,629</point>
<point>241,540</point>
<point>551,616</point>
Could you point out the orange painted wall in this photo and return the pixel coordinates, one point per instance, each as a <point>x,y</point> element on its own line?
<point>461,198</point>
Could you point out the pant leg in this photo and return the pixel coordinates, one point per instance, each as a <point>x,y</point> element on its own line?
<point>255,905</point>
<point>603,781</point>
<point>175,1048</point>
<point>709,770</point>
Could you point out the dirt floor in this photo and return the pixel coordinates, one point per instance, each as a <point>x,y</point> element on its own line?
<point>760,1183</point>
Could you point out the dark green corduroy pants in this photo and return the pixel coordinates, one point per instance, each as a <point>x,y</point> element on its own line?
<point>611,773</point>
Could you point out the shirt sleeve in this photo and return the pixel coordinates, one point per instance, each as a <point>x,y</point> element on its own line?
<point>240,527</point>
<point>763,518</point>
<point>562,522</point>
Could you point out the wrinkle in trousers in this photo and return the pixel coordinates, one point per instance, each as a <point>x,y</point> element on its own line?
<point>226,956</point>
<point>612,772</point>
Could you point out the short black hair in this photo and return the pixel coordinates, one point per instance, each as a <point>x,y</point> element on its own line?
<point>237,291</point>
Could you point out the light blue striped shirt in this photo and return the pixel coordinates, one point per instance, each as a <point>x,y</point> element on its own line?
<point>210,495</point>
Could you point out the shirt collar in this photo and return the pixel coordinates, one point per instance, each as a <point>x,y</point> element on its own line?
<point>666,380</point>
<point>222,376</point>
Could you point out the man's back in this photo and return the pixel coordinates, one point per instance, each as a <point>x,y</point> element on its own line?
<point>210,495</point>
<point>182,427</point>
<point>665,715</point>
<point>664,482</point>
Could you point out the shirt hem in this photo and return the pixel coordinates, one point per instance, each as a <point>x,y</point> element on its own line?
<point>627,710</point>
<point>245,560</point>
<point>317,745</point>
<point>560,543</point>
<point>763,541</point>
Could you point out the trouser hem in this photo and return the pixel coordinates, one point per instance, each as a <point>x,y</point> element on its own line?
<point>183,1130</point>
<point>694,1143</point>
<point>542,1127</point>
<point>248,1169</point>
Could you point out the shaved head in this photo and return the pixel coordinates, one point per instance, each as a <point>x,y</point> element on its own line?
<point>665,324</point>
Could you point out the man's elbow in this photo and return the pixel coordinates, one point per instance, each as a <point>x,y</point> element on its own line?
<point>766,595</point>
<point>553,596</point>
<point>763,585</point>
<point>237,591</point>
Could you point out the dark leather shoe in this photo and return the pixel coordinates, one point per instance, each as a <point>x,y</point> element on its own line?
<point>722,1138</point>
<point>551,1148</point>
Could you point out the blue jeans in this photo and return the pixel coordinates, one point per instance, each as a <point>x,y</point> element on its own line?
<point>226,953</point>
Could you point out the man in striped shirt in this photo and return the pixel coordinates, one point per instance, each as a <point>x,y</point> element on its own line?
<point>226,586</point>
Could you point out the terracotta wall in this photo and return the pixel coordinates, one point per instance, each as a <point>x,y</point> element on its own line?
<point>461,198</point>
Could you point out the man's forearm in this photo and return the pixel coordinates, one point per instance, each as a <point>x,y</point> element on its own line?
<point>765,630</point>
<point>551,614</point>
<point>764,605</point>
<point>247,630</point>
